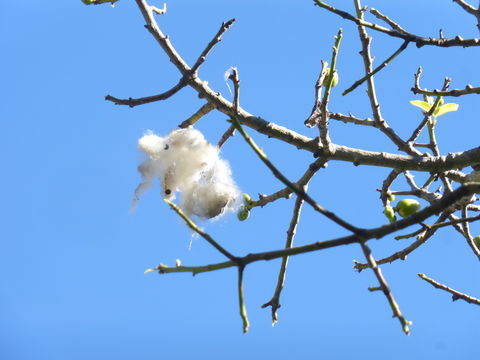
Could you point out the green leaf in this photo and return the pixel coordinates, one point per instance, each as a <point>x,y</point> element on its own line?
<point>446,108</point>
<point>425,106</point>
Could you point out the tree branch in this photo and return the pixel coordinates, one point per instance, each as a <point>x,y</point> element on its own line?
<point>149,99</point>
<point>385,288</point>
<point>418,40</point>
<point>455,294</point>
<point>375,233</point>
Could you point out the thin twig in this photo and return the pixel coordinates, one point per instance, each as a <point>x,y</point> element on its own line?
<point>469,89</point>
<point>204,110</point>
<point>385,288</point>
<point>352,119</point>
<point>470,9</point>
<point>402,254</point>
<point>293,187</point>
<point>375,233</point>
<point>241,300</point>
<point>374,105</point>
<point>202,233</point>
<point>377,69</point>
<point>236,106</point>
<point>287,192</point>
<point>418,40</point>
<point>226,135</point>
<point>216,39</point>
<point>389,21</point>
<point>314,115</point>
<point>429,113</point>
<point>323,121</point>
<point>384,192</point>
<point>149,99</point>
<point>467,233</point>
<point>439,225</point>
<point>274,302</point>
<point>456,295</point>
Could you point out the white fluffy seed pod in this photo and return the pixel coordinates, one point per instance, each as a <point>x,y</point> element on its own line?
<point>186,163</point>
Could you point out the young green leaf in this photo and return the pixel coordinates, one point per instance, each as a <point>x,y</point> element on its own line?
<point>449,107</point>
<point>425,106</point>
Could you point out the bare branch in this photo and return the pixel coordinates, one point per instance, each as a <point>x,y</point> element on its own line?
<point>467,7</point>
<point>274,302</point>
<point>456,295</point>
<point>389,21</point>
<point>377,69</point>
<point>149,99</point>
<point>469,89</point>
<point>342,153</point>
<point>314,115</point>
<point>300,193</point>
<point>418,40</point>
<point>374,105</point>
<point>204,110</point>
<point>352,119</point>
<point>216,39</point>
<point>375,233</point>
<point>385,288</point>
<point>241,300</point>
<point>323,122</point>
<point>202,233</point>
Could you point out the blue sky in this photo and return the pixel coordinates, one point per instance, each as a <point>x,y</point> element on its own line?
<point>73,256</point>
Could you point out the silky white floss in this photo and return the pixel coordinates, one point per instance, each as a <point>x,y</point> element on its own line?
<point>186,163</point>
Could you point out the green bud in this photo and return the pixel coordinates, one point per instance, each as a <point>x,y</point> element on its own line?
<point>407,207</point>
<point>476,241</point>
<point>335,77</point>
<point>247,199</point>
<point>390,197</point>
<point>243,213</point>
<point>390,213</point>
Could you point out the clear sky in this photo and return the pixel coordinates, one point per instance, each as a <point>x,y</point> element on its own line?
<point>72,255</point>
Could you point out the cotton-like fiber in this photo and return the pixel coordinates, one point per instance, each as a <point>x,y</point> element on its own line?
<point>186,163</point>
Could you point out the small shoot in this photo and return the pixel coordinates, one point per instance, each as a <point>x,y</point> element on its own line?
<point>441,109</point>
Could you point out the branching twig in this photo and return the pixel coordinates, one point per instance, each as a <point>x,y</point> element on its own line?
<point>287,192</point>
<point>418,40</point>
<point>385,288</point>
<point>402,254</point>
<point>292,186</point>
<point>455,294</point>
<point>274,302</point>
<point>374,105</point>
<point>216,39</point>
<point>469,89</point>
<point>375,233</point>
<point>428,114</point>
<point>438,225</point>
